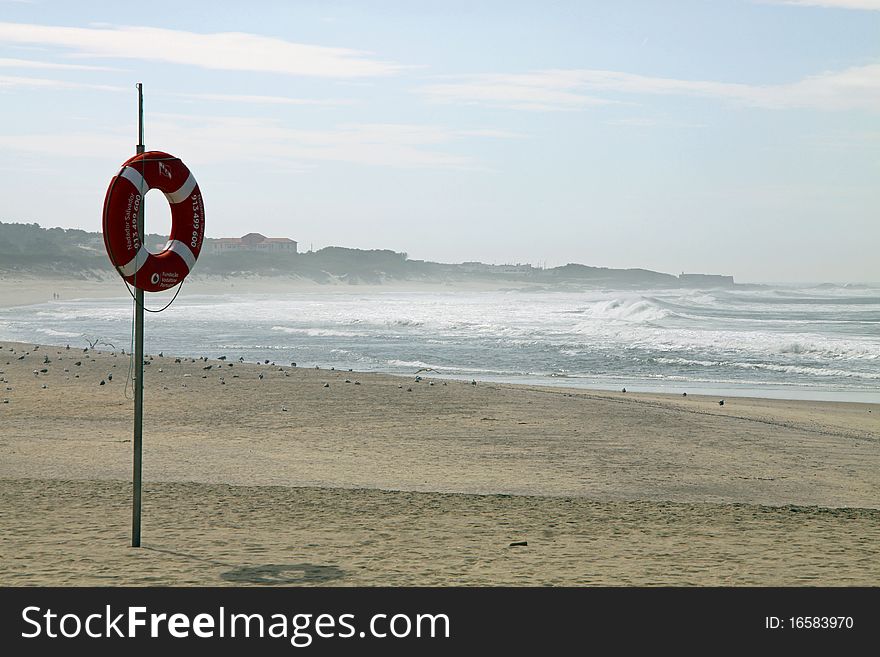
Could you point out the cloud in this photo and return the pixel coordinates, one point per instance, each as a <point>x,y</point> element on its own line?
<point>230,51</point>
<point>573,89</point>
<point>21,82</point>
<point>102,145</point>
<point>255,142</point>
<point>868,5</point>
<point>644,122</point>
<point>856,87</point>
<point>6,62</point>
<point>635,122</point>
<point>260,100</point>
<point>388,145</point>
<point>15,81</point>
<point>533,91</point>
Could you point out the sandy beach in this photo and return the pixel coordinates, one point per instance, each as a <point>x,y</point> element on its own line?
<point>316,476</point>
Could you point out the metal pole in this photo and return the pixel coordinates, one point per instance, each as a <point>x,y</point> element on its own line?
<point>138,360</point>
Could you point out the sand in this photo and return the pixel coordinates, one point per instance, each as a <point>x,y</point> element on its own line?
<point>219,534</point>
<point>380,480</point>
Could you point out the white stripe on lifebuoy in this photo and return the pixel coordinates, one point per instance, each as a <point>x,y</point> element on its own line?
<point>183,193</point>
<point>181,249</point>
<point>148,271</point>
<point>135,178</point>
<point>135,263</point>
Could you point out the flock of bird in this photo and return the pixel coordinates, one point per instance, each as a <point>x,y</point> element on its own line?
<point>148,360</point>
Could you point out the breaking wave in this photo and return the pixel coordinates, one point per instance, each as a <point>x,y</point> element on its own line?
<point>635,309</point>
<point>319,332</point>
<point>763,336</point>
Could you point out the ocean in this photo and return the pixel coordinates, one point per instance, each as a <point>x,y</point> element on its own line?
<point>818,343</point>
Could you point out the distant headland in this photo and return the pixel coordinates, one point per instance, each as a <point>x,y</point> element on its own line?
<point>35,251</point>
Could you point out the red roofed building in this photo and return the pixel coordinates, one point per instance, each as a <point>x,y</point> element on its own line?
<point>253,242</point>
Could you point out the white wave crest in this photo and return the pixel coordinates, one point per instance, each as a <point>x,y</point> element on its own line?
<point>799,348</point>
<point>58,334</point>
<point>319,332</point>
<point>687,361</point>
<point>409,363</point>
<point>634,309</point>
<point>772,367</point>
<point>809,371</point>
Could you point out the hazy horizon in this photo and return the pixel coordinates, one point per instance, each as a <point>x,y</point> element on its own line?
<point>738,137</point>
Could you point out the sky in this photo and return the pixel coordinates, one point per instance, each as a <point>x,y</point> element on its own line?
<point>737,137</point>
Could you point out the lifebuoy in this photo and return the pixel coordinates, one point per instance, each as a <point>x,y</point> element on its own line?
<point>123,203</point>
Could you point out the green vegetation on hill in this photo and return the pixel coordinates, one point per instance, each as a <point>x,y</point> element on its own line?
<point>30,249</point>
<point>331,264</point>
<point>71,252</point>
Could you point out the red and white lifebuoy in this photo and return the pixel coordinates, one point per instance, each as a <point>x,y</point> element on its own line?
<point>123,203</point>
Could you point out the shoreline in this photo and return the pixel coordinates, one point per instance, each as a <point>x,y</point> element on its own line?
<point>755,407</point>
<point>707,389</point>
<point>772,391</point>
